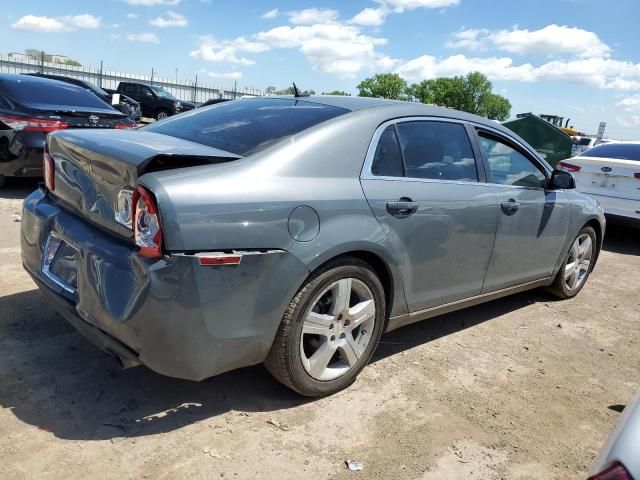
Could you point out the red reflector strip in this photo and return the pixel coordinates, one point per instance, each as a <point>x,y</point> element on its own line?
<point>224,259</point>
<point>637,175</point>
<point>615,471</point>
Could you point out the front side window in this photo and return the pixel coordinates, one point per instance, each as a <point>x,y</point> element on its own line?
<point>508,166</point>
<point>387,161</point>
<point>437,150</point>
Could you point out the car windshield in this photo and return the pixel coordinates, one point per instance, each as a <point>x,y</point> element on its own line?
<point>161,92</point>
<point>38,93</point>
<point>246,126</point>
<point>620,151</point>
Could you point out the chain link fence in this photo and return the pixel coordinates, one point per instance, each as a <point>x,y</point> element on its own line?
<point>191,91</point>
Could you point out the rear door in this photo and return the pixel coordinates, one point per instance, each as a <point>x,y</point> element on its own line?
<point>533,222</point>
<point>421,179</point>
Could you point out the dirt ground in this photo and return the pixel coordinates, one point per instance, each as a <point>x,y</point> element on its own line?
<point>519,388</point>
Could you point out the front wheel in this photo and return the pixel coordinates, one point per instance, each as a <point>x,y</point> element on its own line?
<point>330,329</point>
<point>577,265</point>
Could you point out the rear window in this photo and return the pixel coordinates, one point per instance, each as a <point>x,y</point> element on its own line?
<point>246,126</point>
<point>55,93</point>
<point>620,151</point>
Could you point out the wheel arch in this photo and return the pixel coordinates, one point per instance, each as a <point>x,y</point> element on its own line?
<point>597,226</point>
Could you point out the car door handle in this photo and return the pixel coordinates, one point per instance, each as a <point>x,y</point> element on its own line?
<point>510,206</point>
<point>402,208</point>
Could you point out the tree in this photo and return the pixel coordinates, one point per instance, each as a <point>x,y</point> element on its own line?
<point>384,85</point>
<point>286,91</point>
<point>472,94</point>
<point>337,92</point>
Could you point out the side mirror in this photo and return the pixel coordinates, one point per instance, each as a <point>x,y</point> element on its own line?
<point>562,180</point>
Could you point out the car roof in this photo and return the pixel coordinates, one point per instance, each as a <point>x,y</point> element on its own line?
<point>395,108</point>
<point>14,77</point>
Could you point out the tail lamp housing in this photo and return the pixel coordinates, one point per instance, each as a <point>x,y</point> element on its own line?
<point>31,124</point>
<point>146,223</point>
<point>49,167</point>
<point>137,210</point>
<point>568,167</point>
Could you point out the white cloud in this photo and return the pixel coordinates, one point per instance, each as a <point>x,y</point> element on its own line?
<point>471,39</point>
<point>370,17</point>
<point>402,5</point>
<point>33,23</point>
<point>311,16</point>
<point>552,39</point>
<point>622,84</point>
<point>212,50</point>
<point>332,48</point>
<point>631,107</point>
<point>226,75</point>
<point>152,3</point>
<point>173,19</point>
<point>596,72</point>
<point>377,16</point>
<point>132,15</point>
<point>143,37</point>
<point>271,14</point>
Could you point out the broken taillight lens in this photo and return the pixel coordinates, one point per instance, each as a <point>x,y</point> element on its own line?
<point>146,221</point>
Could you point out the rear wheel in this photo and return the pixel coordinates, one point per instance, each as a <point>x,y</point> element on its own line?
<point>330,329</point>
<point>162,114</point>
<point>3,181</point>
<point>577,265</point>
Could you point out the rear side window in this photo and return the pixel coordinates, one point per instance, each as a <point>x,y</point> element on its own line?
<point>387,161</point>
<point>246,126</point>
<point>437,150</point>
<point>620,151</point>
<point>130,89</point>
<point>37,94</point>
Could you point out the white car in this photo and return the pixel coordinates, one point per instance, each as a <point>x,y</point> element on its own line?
<point>611,173</point>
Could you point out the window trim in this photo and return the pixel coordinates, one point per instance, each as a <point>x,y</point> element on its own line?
<point>367,174</point>
<point>515,146</point>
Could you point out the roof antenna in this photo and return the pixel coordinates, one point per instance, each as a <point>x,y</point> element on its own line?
<point>297,93</point>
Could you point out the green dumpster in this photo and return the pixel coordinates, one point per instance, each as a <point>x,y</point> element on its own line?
<point>548,140</point>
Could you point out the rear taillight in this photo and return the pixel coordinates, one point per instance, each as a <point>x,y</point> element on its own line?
<point>636,175</point>
<point>29,124</point>
<point>126,125</point>
<point>49,167</point>
<point>146,224</point>
<point>614,471</point>
<point>568,167</point>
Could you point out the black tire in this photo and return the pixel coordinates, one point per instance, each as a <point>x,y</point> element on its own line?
<point>3,181</point>
<point>558,288</point>
<point>285,362</point>
<point>162,114</point>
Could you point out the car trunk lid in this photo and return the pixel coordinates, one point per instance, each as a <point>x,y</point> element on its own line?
<point>92,166</point>
<point>607,176</point>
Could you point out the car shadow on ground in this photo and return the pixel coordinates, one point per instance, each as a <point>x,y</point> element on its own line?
<point>54,379</point>
<point>621,238</point>
<point>19,188</point>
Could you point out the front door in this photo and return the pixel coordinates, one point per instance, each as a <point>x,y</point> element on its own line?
<point>422,184</point>
<point>533,221</point>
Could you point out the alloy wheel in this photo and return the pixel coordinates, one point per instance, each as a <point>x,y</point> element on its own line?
<point>337,329</point>
<point>579,261</point>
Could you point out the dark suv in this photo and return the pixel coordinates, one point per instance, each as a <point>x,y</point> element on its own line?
<point>154,100</point>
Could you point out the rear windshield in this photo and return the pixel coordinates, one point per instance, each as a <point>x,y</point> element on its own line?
<point>55,93</point>
<point>620,151</point>
<point>246,126</point>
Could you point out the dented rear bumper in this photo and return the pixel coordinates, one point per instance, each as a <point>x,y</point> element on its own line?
<point>173,315</point>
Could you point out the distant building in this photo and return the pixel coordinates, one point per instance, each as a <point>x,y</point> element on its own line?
<point>59,58</point>
<point>18,57</point>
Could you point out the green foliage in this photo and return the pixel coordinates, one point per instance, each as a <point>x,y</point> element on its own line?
<point>74,63</point>
<point>384,85</point>
<point>271,90</point>
<point>337,92</point>
<point>472,93</point>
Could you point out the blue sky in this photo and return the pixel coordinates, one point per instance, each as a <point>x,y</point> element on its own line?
<point>577,58</point>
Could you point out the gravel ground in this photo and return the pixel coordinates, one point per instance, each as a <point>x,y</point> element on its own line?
<point>519,388</point>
